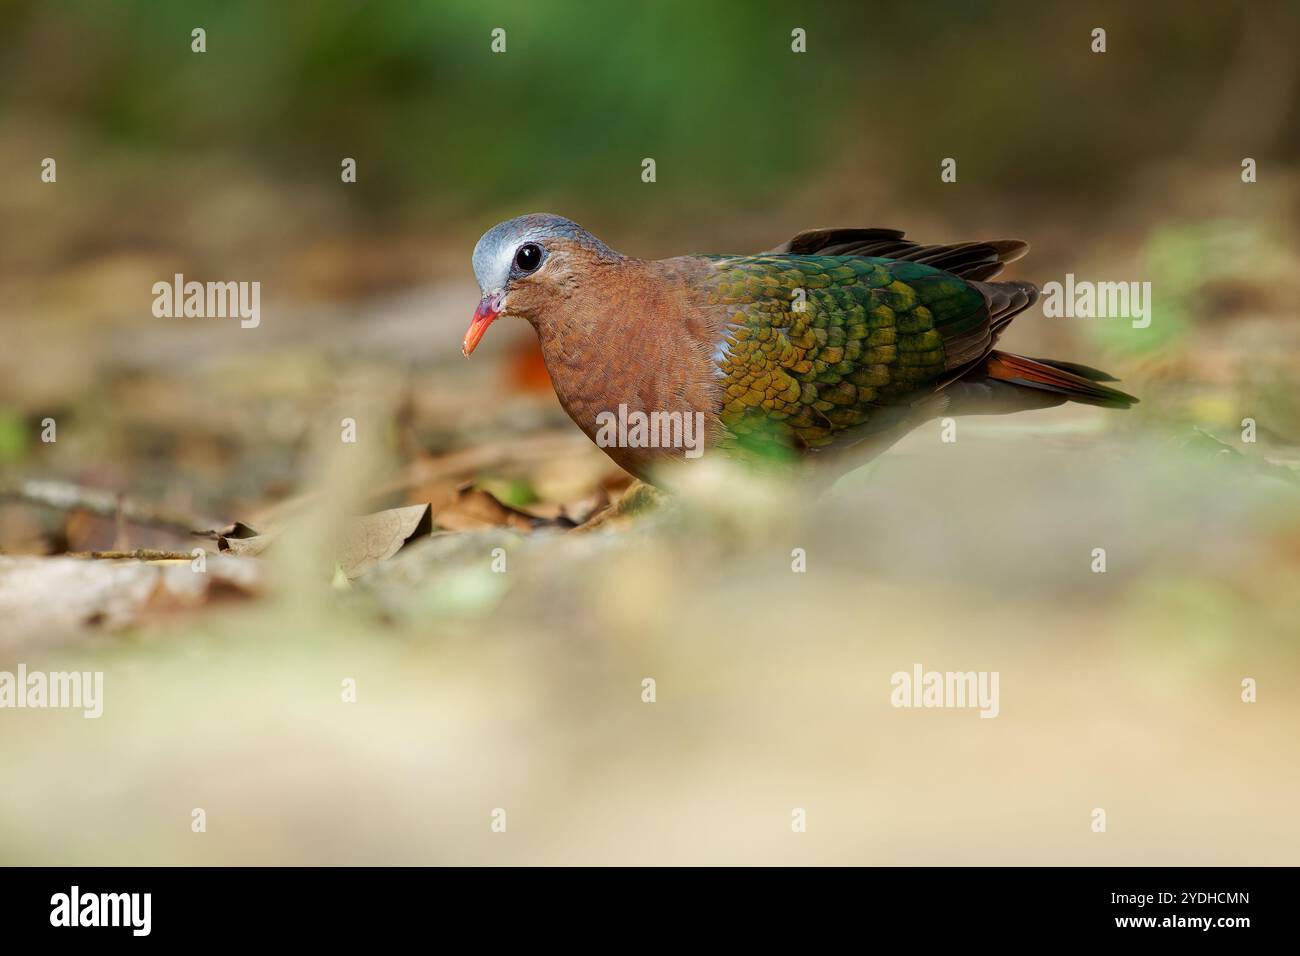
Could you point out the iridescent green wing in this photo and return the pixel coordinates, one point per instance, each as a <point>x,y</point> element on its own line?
<point>813,346</point>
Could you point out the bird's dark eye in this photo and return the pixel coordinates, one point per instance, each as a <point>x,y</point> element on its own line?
<point>529,257</point>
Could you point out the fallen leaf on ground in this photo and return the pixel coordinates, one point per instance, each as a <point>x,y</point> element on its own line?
<point>474,509</point>
<point>379,536</point>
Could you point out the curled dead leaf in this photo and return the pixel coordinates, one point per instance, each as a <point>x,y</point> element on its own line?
<point>474,509</point>
<point>377,537</point>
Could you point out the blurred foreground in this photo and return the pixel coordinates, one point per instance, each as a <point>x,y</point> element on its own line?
<point>523,690</point>
<point>500,635</point>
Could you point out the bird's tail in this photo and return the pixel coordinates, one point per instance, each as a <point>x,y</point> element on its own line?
<point>1078,383</point>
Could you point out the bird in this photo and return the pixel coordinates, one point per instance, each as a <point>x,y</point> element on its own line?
<point>816,355</point>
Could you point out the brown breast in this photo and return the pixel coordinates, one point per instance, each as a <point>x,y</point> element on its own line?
<point>634,334</point>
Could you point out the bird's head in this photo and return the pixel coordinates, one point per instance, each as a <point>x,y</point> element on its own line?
<point>528,266</point>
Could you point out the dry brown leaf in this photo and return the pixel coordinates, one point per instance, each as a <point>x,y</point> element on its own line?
<point>377,537</point>
<point>475,509</point>
<point>247,547</point>
<point>366,540</point>
<point>584,509</point>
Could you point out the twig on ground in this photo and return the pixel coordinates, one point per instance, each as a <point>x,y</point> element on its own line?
<point>106,504</point>
<point>461,464</point>
<point>139,554</point>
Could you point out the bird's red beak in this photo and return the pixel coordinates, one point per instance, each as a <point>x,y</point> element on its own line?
<point>488,309</point>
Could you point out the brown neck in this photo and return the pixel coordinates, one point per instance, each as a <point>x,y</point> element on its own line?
<point>632,334</point>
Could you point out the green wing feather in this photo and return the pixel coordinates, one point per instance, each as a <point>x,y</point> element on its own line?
<point>796,373</point>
